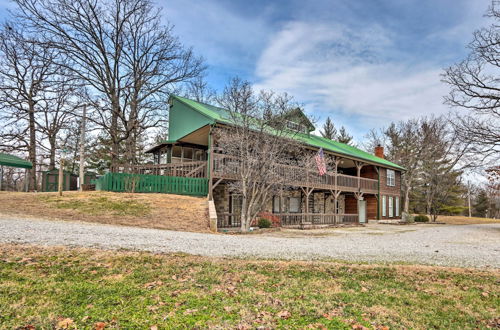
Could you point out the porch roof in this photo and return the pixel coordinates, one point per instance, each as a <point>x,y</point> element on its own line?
<point>14,161</point>
<point>220,115</point>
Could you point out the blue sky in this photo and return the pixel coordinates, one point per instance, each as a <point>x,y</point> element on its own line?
<point>363,63</point>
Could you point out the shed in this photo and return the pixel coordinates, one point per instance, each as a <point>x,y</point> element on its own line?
<point>50,180</point>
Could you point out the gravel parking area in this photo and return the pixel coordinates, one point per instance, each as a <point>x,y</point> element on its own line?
<point>445,245</point>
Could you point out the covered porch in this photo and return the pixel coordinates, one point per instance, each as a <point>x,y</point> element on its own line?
<point>300,208</point>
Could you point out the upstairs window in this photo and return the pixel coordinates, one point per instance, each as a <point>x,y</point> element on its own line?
<point>296,126</point>
<point>391,178</point>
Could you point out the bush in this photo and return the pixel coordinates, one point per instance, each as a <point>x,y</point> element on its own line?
<point>421,218</point>
<point>264,223</point>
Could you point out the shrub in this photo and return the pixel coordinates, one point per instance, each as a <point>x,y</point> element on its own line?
<point>421,218</point>
<point>264,223</point>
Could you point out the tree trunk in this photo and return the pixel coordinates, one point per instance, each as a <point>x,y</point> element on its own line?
<point>407,201</point>
<point>52,156</point>
<point>32,147</point>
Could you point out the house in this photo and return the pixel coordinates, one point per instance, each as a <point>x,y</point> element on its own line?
<point>361,185</point>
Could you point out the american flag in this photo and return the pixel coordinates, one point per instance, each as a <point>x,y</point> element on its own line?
<point>320,162</point>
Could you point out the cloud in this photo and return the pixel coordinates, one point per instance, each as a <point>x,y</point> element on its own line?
<point>351,74</point>
<point>228,39</point>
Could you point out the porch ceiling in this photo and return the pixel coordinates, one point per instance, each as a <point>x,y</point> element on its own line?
<point>199,136</point>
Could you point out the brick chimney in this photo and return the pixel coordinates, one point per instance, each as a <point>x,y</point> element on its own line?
<point>379,151</point>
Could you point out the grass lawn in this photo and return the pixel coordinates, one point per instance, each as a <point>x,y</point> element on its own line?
<point>80,288</point>
<point>161,211</point>
<point>462,220</point>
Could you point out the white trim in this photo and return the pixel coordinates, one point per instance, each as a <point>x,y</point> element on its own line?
<point>391,207</point>
<point>391,177</point>
<point>384,206</point>
<point>397,206</point>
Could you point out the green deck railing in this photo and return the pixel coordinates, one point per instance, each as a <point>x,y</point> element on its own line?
<point>144,183</point>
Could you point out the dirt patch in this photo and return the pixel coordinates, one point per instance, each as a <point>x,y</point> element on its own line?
<point>161,211</point>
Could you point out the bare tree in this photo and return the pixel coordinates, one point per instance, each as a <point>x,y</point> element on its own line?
<point>475,87</point>
<point>199,90</point>
<point>122,53</point>
<point>26,70</point>
<point>55,114</point>
<point>258,141</point>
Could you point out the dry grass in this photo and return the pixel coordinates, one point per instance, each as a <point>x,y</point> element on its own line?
<point>461,220</point>
<point>162,211</point>
<point>81,288</point>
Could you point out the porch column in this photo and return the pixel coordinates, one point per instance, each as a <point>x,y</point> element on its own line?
<point>210,165</point>
<point>359,166</point>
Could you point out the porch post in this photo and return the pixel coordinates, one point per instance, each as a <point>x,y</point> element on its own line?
<point>210,165</point>
<point>359,165</point>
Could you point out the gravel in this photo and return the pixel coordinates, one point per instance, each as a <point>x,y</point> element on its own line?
<point>444,245</point>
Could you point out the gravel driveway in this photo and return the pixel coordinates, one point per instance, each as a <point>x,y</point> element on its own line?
<point>466,245</point>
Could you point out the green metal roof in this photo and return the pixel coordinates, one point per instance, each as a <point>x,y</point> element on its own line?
<point>14,161</point>
<point>222,116</point>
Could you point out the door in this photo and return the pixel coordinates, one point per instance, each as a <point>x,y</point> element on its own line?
<point>362,211</point>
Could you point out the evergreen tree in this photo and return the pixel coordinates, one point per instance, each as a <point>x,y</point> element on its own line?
<point>329,130</point>
<point>481,204</point>
<point>344,137</point>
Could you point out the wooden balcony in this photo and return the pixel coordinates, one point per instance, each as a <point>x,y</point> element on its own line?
<point>226,167</point>
<point>196,169</point>
<point>232,220</point>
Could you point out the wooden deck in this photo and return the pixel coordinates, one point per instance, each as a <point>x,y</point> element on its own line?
<point>226,167</point>
<point>196,169</point>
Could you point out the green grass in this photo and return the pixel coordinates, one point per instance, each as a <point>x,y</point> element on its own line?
<point>76,288</point>
<point>99,205</point>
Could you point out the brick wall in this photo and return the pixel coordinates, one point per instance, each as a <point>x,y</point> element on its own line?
<point>389,191</point>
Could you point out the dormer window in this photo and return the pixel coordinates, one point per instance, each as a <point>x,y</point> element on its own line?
<point>296,126</point>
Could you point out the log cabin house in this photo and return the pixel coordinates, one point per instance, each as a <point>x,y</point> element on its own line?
<point>361,185</point>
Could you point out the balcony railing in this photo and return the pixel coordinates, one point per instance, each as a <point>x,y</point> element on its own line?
<point>227,167</point>
<point>195,169</point>
<point>232,220</point>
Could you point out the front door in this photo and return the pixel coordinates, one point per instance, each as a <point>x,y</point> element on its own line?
<point>362,211</point>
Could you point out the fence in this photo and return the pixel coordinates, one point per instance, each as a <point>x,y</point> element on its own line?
<point>228,220</point>
<point>145,183</point>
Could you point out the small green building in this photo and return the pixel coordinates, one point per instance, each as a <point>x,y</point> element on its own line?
<point>50,180</point>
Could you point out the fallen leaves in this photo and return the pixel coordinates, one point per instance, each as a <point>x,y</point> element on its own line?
<point>100,325</point>
<point>65,323</point>
<point>152,285</point>
<point>284,314</point>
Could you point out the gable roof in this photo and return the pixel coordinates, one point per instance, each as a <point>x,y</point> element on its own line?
<point>14,161</point>
<point>220,115</point>
<point>297,113</point>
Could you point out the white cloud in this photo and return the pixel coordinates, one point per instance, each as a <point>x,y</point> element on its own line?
<point>224,37</point>
<point>349,74</point>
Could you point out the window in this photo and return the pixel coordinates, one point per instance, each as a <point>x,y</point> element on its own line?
<point>391,178</point>
<point>199,154</point>
<point>187,153</point>
<point>276,204</point>
<point>391,207</point>
<point>294,205</point>
<point>296,126</point>
<point>384,212</point>
<point>176,154</point>
<point>397,206</point>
